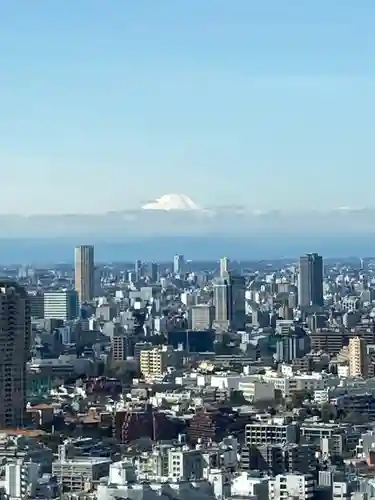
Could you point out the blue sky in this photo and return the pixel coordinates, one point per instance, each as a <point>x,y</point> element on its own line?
<point>108,103</point>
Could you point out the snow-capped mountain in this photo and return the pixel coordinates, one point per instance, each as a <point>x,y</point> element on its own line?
<point>174,214</point>
<point>168,202</point>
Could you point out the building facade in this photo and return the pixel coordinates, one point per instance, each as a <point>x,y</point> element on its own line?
<point>310,280</point>
<point>358,357</point>
<point>15,331</point>
<point>61,305</point>
<point>229,302</point>
<point>85,273</point>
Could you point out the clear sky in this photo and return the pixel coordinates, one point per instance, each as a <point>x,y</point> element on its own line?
<point>107,103</point>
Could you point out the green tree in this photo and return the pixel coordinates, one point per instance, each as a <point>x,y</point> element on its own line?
<point>299,397</point>
<point>237,398</point>
<point>328,412</point>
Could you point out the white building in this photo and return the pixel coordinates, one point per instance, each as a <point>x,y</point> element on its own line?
<point>21,479</point>
<point>257,391</point>
<point>245,485</point>
<point>61,305</point>
<point>297,486</point>
<point>185,464</point>
<point>289,383</point>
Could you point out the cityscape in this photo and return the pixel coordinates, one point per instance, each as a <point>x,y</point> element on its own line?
<point>217,379</point>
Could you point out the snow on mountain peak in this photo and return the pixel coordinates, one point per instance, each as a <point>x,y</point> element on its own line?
<point>172,202</point>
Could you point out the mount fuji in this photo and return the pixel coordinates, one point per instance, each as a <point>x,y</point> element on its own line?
<point>168,202</point>
<point>179,215</point>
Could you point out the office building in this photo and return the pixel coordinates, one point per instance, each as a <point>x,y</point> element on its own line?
<point>318,433</point>
<point>154,275</point>
<point>358,357</point>
<point>76,473</point>
<point>310,280</point>
<point>61,305</point>
<point>274,431</point>
<point>238,310</point>
<point>222,302</point>
<point>192,340</point>
<point>153,362</point>
<point>291,345</point>
<point>178,264</point>
<point>85,273</point>
<point>279,458</point>
<point>15,331</point>
<point>224,267</point>
<point>201,317</point>
<point>36,301</point>
<point>138,270</point>
<point>229,302</point>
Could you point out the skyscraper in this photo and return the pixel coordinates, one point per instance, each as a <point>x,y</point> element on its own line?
<point>138,270</point>
<point>229,301</point>
<point>15,330</point>
<point>222,302</point>
<point>154,272</point>
<point>178,264</point>
<point>224,267</point>
<point>85,273</point>
<point>238,309</point>
<point>310,280</point>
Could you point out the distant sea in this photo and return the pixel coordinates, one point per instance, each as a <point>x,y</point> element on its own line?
<point>162,249</point>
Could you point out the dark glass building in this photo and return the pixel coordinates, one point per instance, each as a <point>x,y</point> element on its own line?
<point>310,280</point>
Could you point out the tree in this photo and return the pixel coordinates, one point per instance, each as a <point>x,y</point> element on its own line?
<point>328,412</point>
<point>237,398</point>
<point>265,405</point>
<point>299,397</point>
<point>120,370</point>
<point>279,399</point>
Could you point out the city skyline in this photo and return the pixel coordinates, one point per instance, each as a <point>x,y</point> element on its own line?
<point>273,98</point>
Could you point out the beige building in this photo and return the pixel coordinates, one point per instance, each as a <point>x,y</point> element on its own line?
<point>358,358</point>
<point>153,362</point>
<point>15,331</point>
<point>84,273</point>
<point>201,317</point>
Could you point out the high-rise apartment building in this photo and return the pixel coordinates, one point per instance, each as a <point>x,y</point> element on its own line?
<point>21,479</point>
<point>15,330</point>
<point>85,273</point>
<point>61,305</point>
<point>358,357</point>
<point>310,280</point>
<point>153,362</point>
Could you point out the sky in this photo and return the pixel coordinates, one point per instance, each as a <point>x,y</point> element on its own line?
<point>106,104</point>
